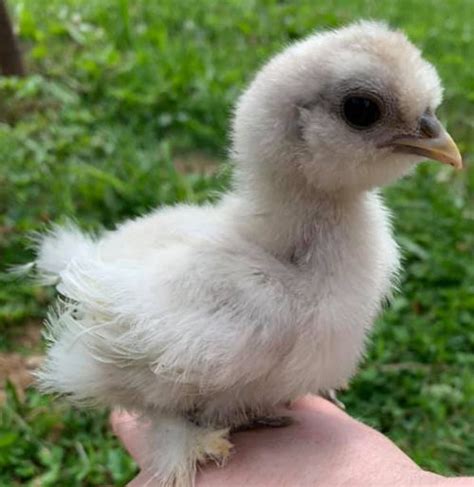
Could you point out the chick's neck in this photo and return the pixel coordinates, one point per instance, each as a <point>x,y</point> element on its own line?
<point>286,222</point>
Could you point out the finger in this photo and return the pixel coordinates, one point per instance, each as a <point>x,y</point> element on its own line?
<point>141,480</point>
<point>132,433</point>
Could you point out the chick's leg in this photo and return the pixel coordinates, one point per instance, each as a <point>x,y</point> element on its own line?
<point>177,446</point>
<point>265,422</point>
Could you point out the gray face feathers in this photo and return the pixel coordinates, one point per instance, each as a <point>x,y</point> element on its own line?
<point>342,110</point>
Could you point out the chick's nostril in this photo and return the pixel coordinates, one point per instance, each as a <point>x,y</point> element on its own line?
<point>430,126</point>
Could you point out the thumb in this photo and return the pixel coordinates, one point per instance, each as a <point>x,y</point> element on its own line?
<point>131,431</point>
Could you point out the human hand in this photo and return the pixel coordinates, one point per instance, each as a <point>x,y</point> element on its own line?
<point>324,447</point>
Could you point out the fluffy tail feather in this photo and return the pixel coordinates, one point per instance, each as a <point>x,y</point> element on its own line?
<point>57,248</point>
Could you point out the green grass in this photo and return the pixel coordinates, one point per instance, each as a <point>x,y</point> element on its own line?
<point>121,89</point>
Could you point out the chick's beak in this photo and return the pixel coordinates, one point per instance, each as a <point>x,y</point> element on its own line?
<point>431,141</point>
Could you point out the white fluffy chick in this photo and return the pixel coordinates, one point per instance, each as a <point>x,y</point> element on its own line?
<point>202,319</point>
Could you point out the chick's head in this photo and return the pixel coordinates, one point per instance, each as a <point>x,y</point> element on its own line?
<point>350,109</point>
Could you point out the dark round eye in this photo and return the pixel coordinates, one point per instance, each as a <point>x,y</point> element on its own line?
<point>361,112</point>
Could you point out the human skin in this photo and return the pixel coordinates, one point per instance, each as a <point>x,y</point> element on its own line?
<point>323,447</point>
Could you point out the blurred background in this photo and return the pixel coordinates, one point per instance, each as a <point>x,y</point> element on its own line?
<point>123,105</point>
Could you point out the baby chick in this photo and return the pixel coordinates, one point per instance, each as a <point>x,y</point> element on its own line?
<point>203,319</point>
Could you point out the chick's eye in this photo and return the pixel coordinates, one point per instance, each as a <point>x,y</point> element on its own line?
<point>361,112</point>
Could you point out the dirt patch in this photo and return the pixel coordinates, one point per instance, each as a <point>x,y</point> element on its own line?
<point>28,335</point>
<point>196,163</point>
<point>18,370</point>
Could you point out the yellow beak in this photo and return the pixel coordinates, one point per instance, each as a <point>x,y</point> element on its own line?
<point>433,142</point>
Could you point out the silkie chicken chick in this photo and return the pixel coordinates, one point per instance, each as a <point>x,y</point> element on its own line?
<point>204,319</point>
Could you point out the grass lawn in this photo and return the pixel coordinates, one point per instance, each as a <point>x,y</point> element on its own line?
<point>127,107</point>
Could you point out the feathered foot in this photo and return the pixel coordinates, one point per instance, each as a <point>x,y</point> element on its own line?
<point>214,445</point>
<point>177,446</point>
